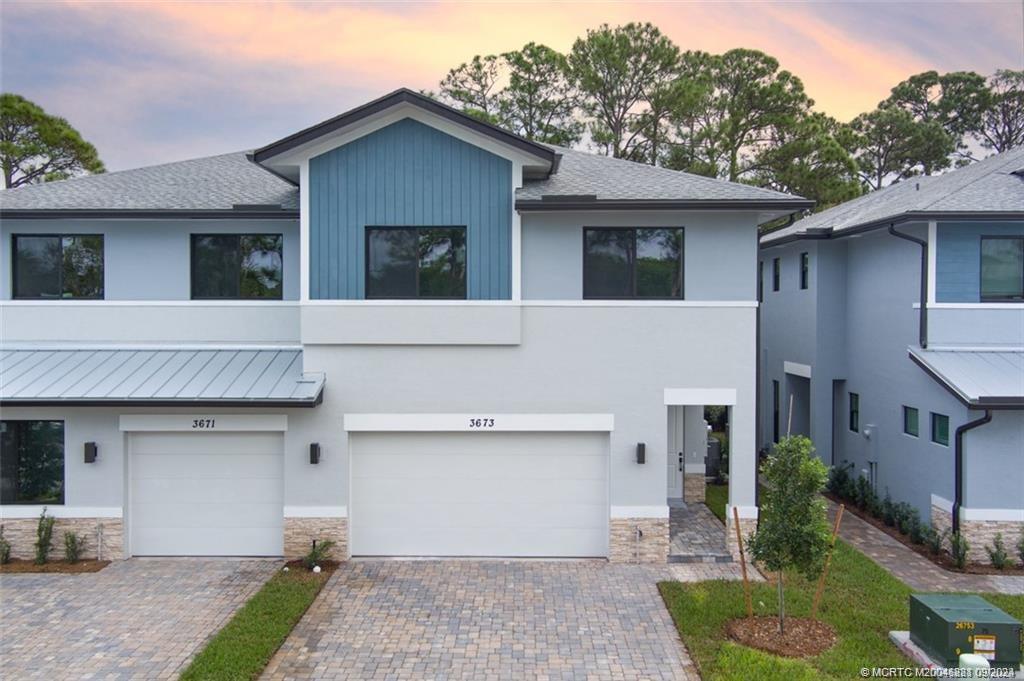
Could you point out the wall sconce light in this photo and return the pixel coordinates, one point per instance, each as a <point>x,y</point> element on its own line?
<point>90,452</point>
<point>314,453</point>
<point>641,452</point>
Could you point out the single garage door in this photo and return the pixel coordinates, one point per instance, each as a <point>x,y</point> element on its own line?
<point>479,494</point>
<point>206,494</point>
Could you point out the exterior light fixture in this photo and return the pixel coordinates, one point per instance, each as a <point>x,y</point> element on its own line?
<point>641,452</point>
<point>90,452</point>
<point>314,453</point>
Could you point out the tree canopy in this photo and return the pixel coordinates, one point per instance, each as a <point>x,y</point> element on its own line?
<point>38,147</point>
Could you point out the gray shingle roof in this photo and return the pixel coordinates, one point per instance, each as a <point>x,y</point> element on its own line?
<point>146,376</point>
<point>994,185</point>
<point>201,184</point>
<point>612,179</point>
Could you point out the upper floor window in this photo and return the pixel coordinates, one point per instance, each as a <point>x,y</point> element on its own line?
<point>1002,268</point>
<point>58,266</point>
<point>633,263</point>
<point>237,266</point>
<point>416,262</point>
<point>805,270</point>
<point>855,412</point>
<point>31,462</point>
<point>776,273</point>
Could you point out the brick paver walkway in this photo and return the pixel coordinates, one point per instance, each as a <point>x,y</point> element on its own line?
<point>697,536</point>
<point>136,619</point>
<point>915,570</point>
<point>490,620</point>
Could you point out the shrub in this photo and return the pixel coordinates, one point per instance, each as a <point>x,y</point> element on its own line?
<point>934,540</point>
<point>997,553</point>
<point>875,506</point>
<point>958,548</point>
<point>1020,549</point>
<point>74,545</point>
<point>888,511</point>
<point>905,514</point>
<point>863,494</point>
<point>5,548</point>
<point>914,526</point>
<point>837,479</point>
<point>44,537</point>
<point>318,553</point>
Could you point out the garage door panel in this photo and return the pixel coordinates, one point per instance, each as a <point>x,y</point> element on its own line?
<point>479,494</point>
<point>207,465</point>
<point>192,490</point>
<point>205,514</point>
<point>221,443</point>
<point>191,541</point>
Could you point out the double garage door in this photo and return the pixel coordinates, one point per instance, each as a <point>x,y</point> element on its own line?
<point>411,494</point>
<point>479,494</point>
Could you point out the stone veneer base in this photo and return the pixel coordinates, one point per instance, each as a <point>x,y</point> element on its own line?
<point>694,485</point>
<point>299,534</point>
<point>747,528</point>
<point>980,533</point>
<point>21,533</point>
<point>652,547</point>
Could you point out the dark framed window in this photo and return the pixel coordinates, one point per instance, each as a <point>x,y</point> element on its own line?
<point>775,411</point>
<point>760,281</point>
<point>776,274</point>
<point>1002,268</point>
<point>805,270</point>
<point>416,262</point>
<point>237,266</point>
<point>910,421</point>
<point>58,266</point>
<point>940,429</point>
<point>31,462</point>
<point>855,412</point>
<point>633,263</point>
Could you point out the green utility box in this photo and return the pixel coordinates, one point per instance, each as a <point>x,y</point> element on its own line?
<point>945,626</point>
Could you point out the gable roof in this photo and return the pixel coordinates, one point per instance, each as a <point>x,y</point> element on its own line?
<point>992,188</point>
<point>392,99</point>
<point>228,185</point>
<point>594,181</point>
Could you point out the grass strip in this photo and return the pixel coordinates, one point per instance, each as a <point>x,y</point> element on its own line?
<point>715,498</point>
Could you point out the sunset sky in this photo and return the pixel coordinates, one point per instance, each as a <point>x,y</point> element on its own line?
<point>161,81</point>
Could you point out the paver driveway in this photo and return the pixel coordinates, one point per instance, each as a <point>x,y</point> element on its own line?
<point>136,619</point>
<point>486,620</point>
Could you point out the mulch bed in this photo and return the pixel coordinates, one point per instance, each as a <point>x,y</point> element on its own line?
<point>327,567</point>
<point>804,637</point>
<point>21,566</point>
<point>943,560</point>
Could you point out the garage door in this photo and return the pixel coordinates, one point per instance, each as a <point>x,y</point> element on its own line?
<point>206,494</point>
<point>479,494</point>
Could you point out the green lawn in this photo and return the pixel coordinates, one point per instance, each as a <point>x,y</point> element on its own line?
<point>862,601</point>
<point>716,497</point>
<point>242,649</point>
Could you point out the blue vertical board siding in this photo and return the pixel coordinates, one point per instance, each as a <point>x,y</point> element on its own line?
<point>408,174</point>
<point>958,258</point>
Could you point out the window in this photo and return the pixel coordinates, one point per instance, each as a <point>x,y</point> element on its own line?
<point>633,263</point>
<point>55,266</point>
<point>760,281</point>
<point>940,429</point>
<point>236,266</point>
<point>910,421</point>
<point>31,462</point>
<point>775,411</point>
<point>1002,268</point>
<point>776,274</point>
<point>855,412</point>
<point>805,270</point>
<point>416,262</point>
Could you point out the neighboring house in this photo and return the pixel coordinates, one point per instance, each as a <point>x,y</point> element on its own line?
<point>401,329</point>
<point>927,401</point>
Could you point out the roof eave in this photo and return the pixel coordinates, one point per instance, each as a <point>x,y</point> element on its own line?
<point>163,404</point>
<point>150,214</point>
<point>969,401</point>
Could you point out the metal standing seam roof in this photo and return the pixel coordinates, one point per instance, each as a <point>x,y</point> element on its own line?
<point>991,187</point>
<point>978,378</point>
<point>157,377</point>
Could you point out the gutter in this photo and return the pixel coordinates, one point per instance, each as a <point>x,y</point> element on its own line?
<point>580,203</point>
<point>958,472</point>
<point>922,333</point>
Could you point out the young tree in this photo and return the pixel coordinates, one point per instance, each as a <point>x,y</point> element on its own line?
<point>617,71</point>
<point>793,532</point>
<point>538,102</point>
<point>1002,123</point>
<point>38,147</point>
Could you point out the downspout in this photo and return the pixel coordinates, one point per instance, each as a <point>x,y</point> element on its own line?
<point>923,321</point>
<point>958,481</point>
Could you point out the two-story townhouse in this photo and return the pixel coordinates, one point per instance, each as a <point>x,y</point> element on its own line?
<point>924,400</point>
<point>401,329</point>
